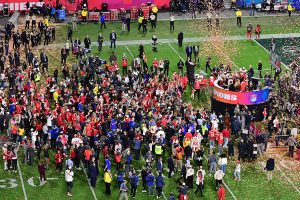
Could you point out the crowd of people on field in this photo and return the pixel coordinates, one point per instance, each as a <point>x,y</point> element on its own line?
<point>92,116</point>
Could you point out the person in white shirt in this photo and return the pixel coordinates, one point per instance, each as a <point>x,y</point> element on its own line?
<point>69,180</point>
<point>223,163</point>
<point>153,21</point>
<point>172,22</point>
<point>218,178</point>
<point>237,171</point>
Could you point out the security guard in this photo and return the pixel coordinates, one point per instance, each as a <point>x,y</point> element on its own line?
<point>84,14</point>
<point>158,150</point>
<point>140,22</point>
<point>239,14</point>
<point>290,9</point>
<point>155,11</point>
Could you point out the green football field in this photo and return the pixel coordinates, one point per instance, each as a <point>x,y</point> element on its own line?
<point>238,53</point>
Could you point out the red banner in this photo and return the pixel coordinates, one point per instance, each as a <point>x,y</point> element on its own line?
<point>115,4</point>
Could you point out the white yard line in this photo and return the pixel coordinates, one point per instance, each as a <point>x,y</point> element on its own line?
<point>129,50</point>
<point>227,187</point>
<point>21,176</point>
<point>93,192</point>
<point>269,53</point>
<point>175,51</point>
<point>288,179</point>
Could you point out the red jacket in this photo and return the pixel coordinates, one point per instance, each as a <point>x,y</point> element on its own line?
<point>221,193</point>
<point>58,158</point>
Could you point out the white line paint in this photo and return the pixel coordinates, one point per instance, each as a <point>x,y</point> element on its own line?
<point>129,50</point>
<point>288,179</point>
<point>227,187</point>
<point>92,189</point>
<point>175,51</point>
<point>21,176</point>
<point>269,53</point>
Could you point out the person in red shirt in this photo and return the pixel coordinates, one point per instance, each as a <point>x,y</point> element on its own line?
<point>197,88</point>
<point>226,136</point>
<point>118,159</point>
<point>124,64</point>
<point>58,161</point>
<point>220,142</point>
<point>87,157</point>
<point>212,136</point>
<point>221,192</point>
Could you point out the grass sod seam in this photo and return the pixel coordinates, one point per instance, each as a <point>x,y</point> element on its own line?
<point>85,173</point>
<point>21,176</point>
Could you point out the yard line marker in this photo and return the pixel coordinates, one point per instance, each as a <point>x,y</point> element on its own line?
<point>288,179</point>
<point>94,195</point>
<point>129,50</point>
<point>269,53</point>
<point>227,187</point>
<point>21,176</point>
<point>175,51</point>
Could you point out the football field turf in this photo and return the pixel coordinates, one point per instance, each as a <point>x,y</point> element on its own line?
<point>240,53</point>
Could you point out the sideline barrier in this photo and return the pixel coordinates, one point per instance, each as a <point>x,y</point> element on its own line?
<point>94,16</point>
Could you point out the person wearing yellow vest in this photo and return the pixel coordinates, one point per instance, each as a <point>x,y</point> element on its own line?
<point>290,9</point>
<point>46,22</point>
<point>55,96</point>
<point>107,180</point>
<point>239,14</point>
<point>140,20</point>
<point>84,14</point>
<point>158,150</point>
<point>155,11</point>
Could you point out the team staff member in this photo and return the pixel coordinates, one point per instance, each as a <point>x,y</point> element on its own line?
<point>84,14</point>
<point>239,14</point>
<point>155,11</point>
<point>107,180</point>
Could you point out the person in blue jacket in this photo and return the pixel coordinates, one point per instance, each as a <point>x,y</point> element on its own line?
<point>134,183</point>
<point>113,125</point>
<point>159,165</point>
<point>107,164</point>
<point>137,148</point>
<point>54,132</point>
<point>93,174</point>
<point>171,197</point>
<point>102,20</point>
<point>120,178</point>
<point>150,183</point>
<point>159,184</point>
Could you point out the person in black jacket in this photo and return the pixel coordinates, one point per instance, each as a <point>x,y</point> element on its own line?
<point>171,166</point>
<point>87,42</point>
<point>250,150</point>
<point>180,39</point>
<point>242,149</point>
<point>113,38</point>
<point>144,22</point>
<point>128,22</point>
<point>93,174</point>
<point>270,165</point>
<point>44,61</point>
<point>144,174</point>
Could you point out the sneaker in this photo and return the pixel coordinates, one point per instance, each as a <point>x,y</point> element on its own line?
<point>143,190</point>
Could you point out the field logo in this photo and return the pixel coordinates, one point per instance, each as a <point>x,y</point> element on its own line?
<point>291,50</point>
